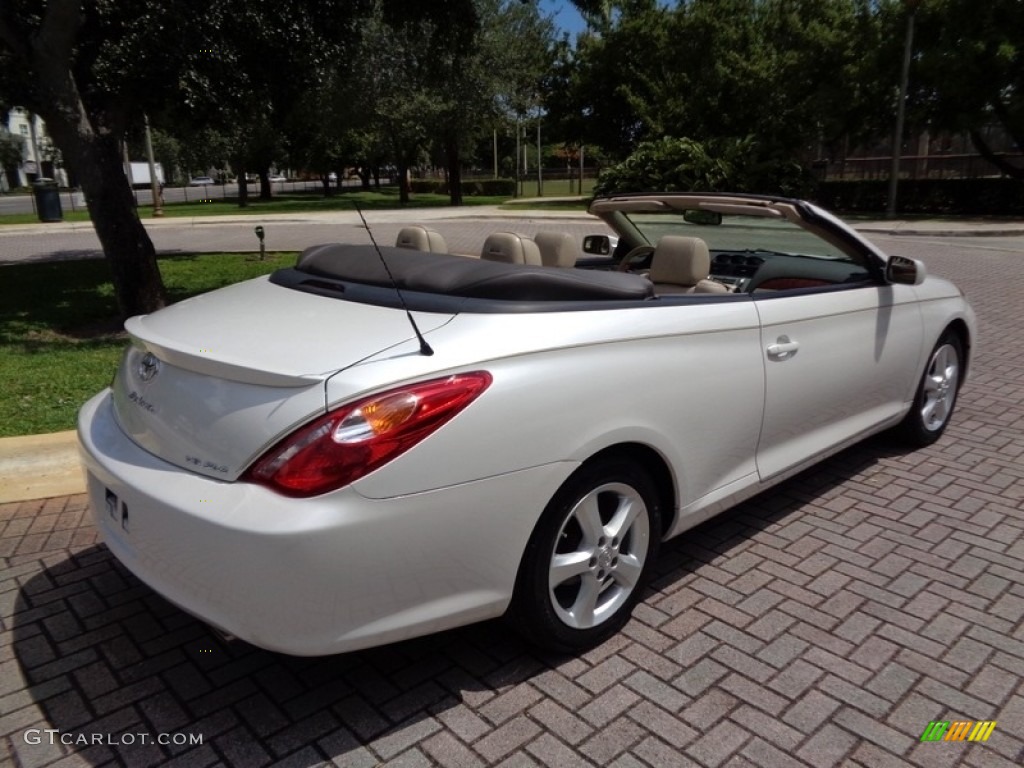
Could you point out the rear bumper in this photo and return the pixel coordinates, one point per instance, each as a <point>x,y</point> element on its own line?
<point>310,576</point>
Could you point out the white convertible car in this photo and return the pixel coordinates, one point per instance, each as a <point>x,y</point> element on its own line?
<point>381,443</point>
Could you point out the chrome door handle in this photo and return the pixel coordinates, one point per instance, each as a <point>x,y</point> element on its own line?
<point>783,348</point>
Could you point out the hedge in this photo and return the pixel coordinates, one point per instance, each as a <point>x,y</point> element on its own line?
<point>482,187</point>
<point>970,197</point>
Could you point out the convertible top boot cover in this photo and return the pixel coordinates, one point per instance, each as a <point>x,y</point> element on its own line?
<point>468,278</point>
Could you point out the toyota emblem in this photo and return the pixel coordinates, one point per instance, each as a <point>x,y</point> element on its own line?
<point>149,366</point>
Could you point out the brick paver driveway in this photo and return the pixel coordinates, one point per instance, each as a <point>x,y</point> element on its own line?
<point>824,623</point>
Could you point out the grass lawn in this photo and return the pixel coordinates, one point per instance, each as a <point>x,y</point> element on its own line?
<point>60,339</point>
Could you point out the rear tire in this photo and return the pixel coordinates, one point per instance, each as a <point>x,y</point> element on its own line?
<point>589,558</point>
<point>936,394</point>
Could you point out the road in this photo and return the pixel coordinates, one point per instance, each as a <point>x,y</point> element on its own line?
<point>464,230</point>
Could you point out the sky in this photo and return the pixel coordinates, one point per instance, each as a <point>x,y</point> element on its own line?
<point>566,16</point>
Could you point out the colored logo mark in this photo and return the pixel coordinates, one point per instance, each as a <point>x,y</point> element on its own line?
<point>959,730</point>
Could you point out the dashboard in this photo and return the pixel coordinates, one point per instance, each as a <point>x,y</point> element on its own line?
<point>767,270</point>
<point>735,269</point>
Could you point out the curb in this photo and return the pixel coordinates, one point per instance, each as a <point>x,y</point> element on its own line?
<point>873,230</point>
<point>39,467</point>
<point>896,228</point>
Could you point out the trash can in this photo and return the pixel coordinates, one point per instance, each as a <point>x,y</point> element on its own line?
<point>47,195</point>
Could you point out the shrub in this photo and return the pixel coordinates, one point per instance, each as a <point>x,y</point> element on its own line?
<point>725,165</point>
<point>493,188</point>
<point>985,197</point>
<point>428,187</point>
<point>667,165</point>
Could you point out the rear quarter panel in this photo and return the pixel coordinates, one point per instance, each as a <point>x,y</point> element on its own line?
<point>684,379</point>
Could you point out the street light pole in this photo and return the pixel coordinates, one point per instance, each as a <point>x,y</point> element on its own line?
<point>901,106</point>
<point>516,163</point>
<point>540,178</point>
<point>154,184</point>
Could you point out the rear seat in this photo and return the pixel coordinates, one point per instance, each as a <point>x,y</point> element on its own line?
<point>510,248</point>
<point>419,238</point>
<point>557,249</point>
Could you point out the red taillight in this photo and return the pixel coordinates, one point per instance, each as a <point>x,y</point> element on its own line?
<point>356,439</point>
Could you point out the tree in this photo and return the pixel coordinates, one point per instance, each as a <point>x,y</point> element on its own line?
<point>612,89</point>
<point>969,71</point>
<point>716,165</point>
<point>429,85</point>
<point>783,75</point>
<point>390,85</point>
<point>500,79</point>
<point>88,70</point>
<point>91,69</point>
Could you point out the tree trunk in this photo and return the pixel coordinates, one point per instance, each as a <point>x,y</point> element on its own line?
<point>243,185</point>
<point>91,145</point>
<point>265,191</point>
<point>451,151</point>
<point>403,182</point>
<point>126,244</point>
<point>364,177</point>
<point>999,162</point>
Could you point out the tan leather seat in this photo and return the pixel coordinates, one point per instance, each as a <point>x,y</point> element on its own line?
<point>681,265</point>
<point>557,249</point>
<point>510,248</point>
<point>421,239</point>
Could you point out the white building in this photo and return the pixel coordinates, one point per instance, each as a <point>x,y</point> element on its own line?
<point>39,157</point>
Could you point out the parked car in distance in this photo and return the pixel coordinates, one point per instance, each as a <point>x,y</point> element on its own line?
<point>377,444</point>
<point>201,181</point>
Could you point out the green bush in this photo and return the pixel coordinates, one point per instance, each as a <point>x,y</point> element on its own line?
<point>666,165</point>
<point>478,188</point>
<point>725,165</point>
<point>428,187</point>
<point>491,188</point>
<point>972,197</point>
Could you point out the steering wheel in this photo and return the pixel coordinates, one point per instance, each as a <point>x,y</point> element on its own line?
<point>640,250</point>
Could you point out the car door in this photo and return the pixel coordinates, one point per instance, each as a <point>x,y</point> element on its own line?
<point>838,362</point>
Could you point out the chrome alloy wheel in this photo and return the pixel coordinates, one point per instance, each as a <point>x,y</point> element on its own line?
<point>599,555</point>
<point>940,387</point>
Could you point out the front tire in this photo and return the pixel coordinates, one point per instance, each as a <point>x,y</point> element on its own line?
<point>936,394</point>
<point>589,558</point>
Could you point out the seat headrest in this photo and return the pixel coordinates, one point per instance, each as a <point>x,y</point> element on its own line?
<point>557,249</point>
<point>680,260</point>
<point>510,248</point>
<point>421,239</point>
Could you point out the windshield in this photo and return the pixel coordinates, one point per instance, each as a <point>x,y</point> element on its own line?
<point>737,233</point>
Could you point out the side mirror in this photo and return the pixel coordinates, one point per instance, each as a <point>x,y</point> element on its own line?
<point>600,245</point>
<point>904,271</point>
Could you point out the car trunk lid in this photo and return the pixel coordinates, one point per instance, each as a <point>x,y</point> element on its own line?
<point>208,384</point>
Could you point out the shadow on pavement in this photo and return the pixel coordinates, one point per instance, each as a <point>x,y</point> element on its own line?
<point>105,658</point>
